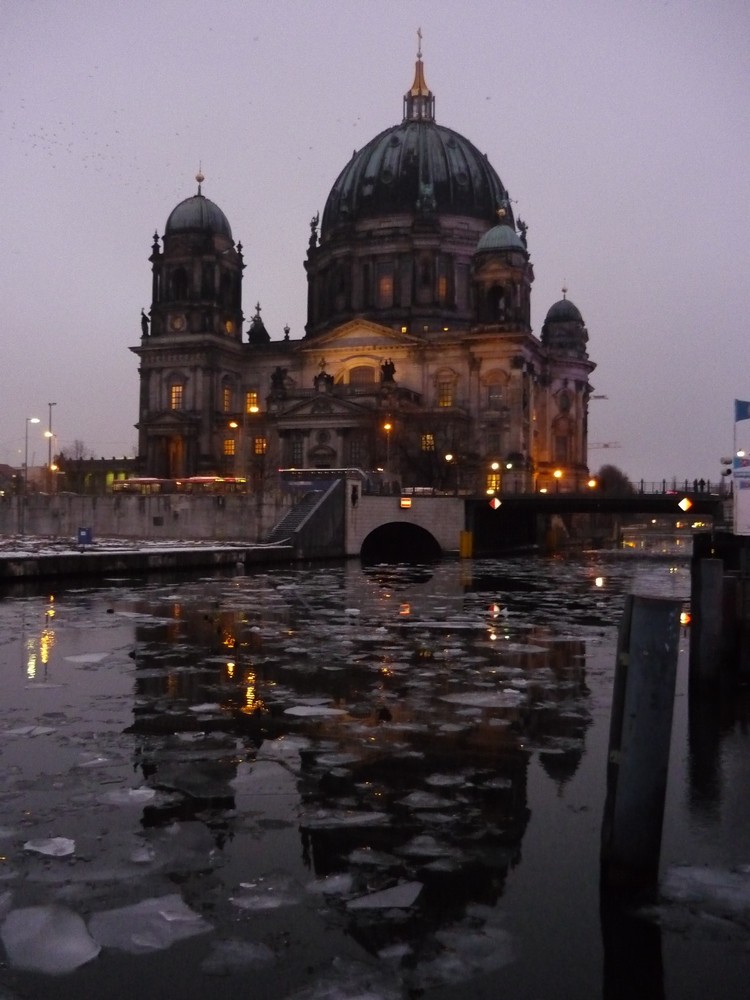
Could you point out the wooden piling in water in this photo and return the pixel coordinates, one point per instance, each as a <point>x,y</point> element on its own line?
<point>708,622</point>
<point>639,740</point>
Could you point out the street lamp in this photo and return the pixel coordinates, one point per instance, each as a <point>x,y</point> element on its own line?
<point>48,435</point>
<point>388,427</point>
<point>450,458</point>
<point>22,499</point>
<point>29,420</point>
<point>558,476</point>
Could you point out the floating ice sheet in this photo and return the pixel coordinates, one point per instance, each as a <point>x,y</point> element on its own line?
<point>29,731</point>
<point>87,658</point>
<point>486,699</point>
<point>267,894</point>
<point>129,796</point>
<point>151,925</point>
<point>400,896</point>
<point>715,890</point>
<point>51,939</point>
<point>313,711</point>
<point>53,847</point>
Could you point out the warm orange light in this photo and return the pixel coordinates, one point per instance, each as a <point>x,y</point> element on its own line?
<point>387,427</point>
<point>557,473</point>
<point>592,484</point>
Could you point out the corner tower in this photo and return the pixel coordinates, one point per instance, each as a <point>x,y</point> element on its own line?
<point>191,352</point>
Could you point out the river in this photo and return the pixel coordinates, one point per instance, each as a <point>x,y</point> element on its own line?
<point>334,782</point>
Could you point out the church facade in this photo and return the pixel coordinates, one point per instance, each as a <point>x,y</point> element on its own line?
<point>418,357</point>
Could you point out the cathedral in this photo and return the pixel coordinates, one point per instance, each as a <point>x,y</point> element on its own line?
<point>418,357</point>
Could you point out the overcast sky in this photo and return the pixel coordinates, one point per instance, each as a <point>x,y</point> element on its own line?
<point>621,130</point>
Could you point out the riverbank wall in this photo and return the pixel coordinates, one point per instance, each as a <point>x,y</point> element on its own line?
<point>235,517</point>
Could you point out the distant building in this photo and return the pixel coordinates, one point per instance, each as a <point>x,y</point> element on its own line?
<point>418,343</point>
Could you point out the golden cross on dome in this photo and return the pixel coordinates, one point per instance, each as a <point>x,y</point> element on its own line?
<point>419,43</point>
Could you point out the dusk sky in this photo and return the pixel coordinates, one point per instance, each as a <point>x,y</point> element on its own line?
<point>622,132</point>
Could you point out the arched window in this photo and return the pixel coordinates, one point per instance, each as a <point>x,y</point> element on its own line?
<point>361,375</point>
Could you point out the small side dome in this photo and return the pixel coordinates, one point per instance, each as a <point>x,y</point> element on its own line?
<point>563,311</point>
<point>564,331</point>
<point>257,333</point>
<point>198,213</point>
<point>501,237</point>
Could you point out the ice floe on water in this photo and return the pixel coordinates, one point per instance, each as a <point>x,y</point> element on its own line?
<point>29,731</point>
<point>129,796</point>
<point>150,925</point>
<point>708,892</point>
<point>269,893</point>
<point>400,896</point>
<point>509,698</point>
<point>313,711</point>
<point>88,657</point>
<point>53,847</point>
<point>51,939</point>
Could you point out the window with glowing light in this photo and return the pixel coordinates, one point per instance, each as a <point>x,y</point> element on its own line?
<point>251,401</point>
<point>226,399</point>
<point>428,442</point>
<point>260,445</point>
<point>445,393</point>
<point>229,446</point>
<point>176,396</point>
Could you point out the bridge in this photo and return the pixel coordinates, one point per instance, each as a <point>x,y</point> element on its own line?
<point>426,525</point>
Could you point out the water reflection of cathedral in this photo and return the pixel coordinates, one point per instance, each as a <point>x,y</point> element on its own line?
<point>418,340</point>
<point>399,782</point>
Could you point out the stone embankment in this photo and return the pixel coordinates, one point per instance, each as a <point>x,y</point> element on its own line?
<point>25,559</point>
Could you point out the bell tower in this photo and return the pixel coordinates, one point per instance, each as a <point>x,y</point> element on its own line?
<point>191,349</point>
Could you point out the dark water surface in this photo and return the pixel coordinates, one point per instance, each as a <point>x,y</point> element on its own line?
<point>333,782</point>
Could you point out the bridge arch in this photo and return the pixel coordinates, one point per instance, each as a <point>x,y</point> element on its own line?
<point>400,541</point>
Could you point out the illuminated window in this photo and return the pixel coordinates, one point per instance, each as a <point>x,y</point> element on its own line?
<point>445,394</point>
<point>493,482</point>
<point>442,289</point>
<point>251,401</point>
<point>385,290</point>
<point>176,396</point>
<point>259,446</point>
<point>428,442</point>
<point>229,446</point>
<point>226,399</point>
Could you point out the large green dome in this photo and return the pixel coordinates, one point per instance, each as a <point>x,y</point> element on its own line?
<point>417,167</point>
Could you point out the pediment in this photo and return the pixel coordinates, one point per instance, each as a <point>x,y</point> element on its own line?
<point>321,405</point>
<point>361,334</point>
<point>176,420</point>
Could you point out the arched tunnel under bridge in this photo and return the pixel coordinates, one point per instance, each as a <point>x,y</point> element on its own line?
<point>398,541</point>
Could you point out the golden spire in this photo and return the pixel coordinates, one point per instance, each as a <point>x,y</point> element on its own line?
<point>419,102</point>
